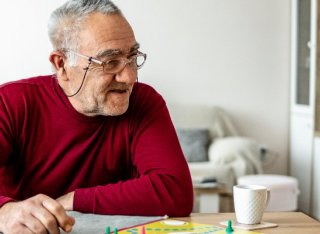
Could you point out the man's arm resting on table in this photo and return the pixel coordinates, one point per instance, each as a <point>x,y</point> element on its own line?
<point>38,214</point>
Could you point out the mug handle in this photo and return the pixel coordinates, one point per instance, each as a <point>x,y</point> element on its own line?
<point>268,197</point>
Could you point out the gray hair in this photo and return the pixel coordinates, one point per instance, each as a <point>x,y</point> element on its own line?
<point>65,22</point>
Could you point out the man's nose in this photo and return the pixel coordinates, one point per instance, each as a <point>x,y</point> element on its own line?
<point>127,75</point>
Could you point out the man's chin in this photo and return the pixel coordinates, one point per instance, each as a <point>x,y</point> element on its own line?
<point>116,110</point>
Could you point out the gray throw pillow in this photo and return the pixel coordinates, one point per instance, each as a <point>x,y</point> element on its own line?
<point>194,144</point>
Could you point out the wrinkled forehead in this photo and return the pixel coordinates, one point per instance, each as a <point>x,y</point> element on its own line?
<point>107,34</point>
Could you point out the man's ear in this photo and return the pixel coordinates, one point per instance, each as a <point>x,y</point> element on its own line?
<point>57,60</point>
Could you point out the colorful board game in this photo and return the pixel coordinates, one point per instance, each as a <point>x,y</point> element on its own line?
<point>170,226</point>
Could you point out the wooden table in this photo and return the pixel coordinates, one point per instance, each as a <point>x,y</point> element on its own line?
<point>288,222</point>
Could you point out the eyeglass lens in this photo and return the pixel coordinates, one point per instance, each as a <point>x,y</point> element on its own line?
<point>117,65</point>
<point>140,59</point>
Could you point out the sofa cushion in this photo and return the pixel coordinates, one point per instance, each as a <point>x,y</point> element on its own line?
<point>194,144</point>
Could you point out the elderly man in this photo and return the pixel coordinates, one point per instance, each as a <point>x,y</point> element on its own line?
<point>88,138</point>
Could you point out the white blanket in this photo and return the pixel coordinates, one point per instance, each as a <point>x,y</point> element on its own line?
<point>240,153</point>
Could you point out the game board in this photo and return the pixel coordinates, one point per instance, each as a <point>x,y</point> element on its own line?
<point>171,226</point>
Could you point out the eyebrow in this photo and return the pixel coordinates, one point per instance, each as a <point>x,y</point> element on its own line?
<point>116,52</point>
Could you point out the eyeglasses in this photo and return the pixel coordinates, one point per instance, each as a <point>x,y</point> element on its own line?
<point>114,66</point>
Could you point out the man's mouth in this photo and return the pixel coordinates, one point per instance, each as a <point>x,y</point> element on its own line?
<point>118,90</point>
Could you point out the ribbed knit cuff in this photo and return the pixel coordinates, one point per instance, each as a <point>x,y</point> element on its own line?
<point>84,200</point>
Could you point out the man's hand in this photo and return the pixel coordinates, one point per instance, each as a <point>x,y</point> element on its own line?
<point>67,201</point>
<point>38,214</point>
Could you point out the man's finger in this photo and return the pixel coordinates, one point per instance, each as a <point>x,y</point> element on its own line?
<point>56,209</point>
<point>47,219</point>
<point>22,229</point>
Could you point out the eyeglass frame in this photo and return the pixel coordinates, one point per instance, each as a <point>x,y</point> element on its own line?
<point>125,61</point>
<point>97,61</point>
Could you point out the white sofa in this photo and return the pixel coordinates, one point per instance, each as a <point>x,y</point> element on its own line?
<point>229,154</point>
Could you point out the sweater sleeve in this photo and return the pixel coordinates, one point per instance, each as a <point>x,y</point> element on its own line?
<point>163,183</point>
<point>5,143</point>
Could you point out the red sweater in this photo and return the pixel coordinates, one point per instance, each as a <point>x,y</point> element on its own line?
<point>130,164</point>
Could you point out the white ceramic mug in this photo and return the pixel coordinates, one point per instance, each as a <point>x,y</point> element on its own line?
<point>250,202</point>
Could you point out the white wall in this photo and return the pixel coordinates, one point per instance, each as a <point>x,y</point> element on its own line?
<point>231,53</point>
<point>24,44</point>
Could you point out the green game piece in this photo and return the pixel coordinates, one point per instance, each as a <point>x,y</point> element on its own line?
<point>115,231</point>
<point>107,230</point>
<point>229,229</point>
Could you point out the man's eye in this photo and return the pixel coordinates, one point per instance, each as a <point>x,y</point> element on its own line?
<point>135,53</point>
<point>112,64</point>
